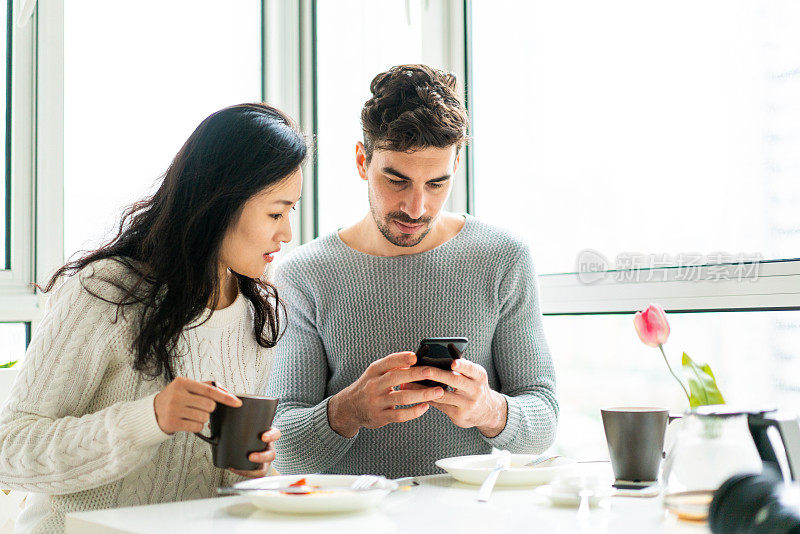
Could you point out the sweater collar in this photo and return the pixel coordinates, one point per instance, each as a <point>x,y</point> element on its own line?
<point>224,317</point>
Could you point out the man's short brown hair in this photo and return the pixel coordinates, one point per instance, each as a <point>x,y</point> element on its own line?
<point>413,107</point>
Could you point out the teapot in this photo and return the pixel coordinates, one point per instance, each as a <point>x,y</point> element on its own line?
<point>715,442</point>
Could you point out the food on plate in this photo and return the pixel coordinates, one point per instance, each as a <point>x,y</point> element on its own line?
<point>302,487</point>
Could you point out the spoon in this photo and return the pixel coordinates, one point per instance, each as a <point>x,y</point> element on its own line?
<point>503,462</point>
<point>583,509</point>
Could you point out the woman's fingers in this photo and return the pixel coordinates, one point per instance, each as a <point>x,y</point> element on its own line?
<point>187,425</point>
<point>198,402</point>
<point>213,393</point>
<point>264,457</point>
<point>192,414</point>
<point>273,434</point>
<point>262,472</point>
<point>182,401</point>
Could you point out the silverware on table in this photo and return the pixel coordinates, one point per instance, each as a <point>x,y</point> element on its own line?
<point>282,489</point>
<point>362,483</point>
<point>583,508</point>
<point>365,482</point>
<point>503,462</point>
<point>542,461</point>
<point>406,481</point>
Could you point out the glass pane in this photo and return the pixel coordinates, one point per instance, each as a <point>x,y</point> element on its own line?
<point>13,339</point>
<point>378,36</point>
<point>5,89</point>
<point>600,362</point>
<point>139,77</point>
<point>648,127</point>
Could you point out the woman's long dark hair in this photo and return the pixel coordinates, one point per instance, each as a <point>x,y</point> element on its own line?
<point>174,237</point>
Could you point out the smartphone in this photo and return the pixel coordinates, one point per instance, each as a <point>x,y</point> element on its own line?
<point>439,352</point>
<point>633,485</point>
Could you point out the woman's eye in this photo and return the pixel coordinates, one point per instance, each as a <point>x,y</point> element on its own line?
<point>277,216</point>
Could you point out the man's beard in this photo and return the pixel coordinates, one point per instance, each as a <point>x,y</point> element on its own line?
<point>400,239</point>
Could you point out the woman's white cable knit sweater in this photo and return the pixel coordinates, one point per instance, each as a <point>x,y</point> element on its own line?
<point>78,429</point>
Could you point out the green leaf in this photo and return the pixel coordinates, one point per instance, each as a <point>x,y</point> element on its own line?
<point>7,365</point>
<point>702,385</point>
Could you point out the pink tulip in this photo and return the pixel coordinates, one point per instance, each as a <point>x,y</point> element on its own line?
<point>652,326</point>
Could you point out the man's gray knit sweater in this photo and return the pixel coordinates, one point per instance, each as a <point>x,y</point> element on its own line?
<point>347,309</point>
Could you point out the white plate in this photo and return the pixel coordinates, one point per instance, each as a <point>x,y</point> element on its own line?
<point>571,499</point>
<point>475,469</point>
<point>334,497</point>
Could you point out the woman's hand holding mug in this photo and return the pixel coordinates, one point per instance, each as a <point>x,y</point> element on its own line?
<point>264,458</point>
<point>185,405</point>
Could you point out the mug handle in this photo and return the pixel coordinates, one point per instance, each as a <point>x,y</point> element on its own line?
<point>669,444</point>
<point>213,440</point>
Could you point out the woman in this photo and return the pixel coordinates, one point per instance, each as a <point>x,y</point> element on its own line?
<point>122,369</point>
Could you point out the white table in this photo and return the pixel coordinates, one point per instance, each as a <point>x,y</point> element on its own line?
<point>439,504</point>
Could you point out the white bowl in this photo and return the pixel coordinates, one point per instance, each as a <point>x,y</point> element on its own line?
<point>475,469</point>
<point>335,495</point>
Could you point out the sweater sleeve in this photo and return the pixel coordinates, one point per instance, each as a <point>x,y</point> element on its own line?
<point>299,377</point>
<point>48,443</point>
<point>523,363</point>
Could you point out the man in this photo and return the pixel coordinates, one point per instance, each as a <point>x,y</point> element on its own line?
<point>359,299</point>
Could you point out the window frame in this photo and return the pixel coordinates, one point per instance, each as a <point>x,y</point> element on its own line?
<point>18,298</point>
<point>776,288</point>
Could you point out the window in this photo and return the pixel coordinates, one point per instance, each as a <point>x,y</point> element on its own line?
<point>639,128</point>
<point>5,97</point>
<point>18,302</point>
<point>754,356</point>
<point>13,341</point>
<point>378,36</point>
<point>660,144</point>
<point>131,103</point>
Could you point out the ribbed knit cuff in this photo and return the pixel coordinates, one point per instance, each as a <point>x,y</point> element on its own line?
<point>139,426</point>
<point>328,436</point>
<point>513,420</point>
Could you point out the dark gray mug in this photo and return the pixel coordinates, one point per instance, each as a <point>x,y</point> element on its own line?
<point>635,438</point>
<point>236,432</point>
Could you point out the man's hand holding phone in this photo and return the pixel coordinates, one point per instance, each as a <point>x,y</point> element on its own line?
<point>372,401</point>
<point>472,403</point>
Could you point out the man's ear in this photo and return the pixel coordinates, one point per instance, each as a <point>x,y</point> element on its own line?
<point>361,160</point>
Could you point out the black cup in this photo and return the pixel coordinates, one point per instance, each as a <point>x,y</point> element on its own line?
<point>635,438</point>
<point>236,432</point>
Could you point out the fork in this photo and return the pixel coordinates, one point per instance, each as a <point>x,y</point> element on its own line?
<point>365,482</point>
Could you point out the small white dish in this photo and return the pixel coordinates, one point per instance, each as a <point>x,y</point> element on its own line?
<point>332,495</point>
<point>571,499</point>
<point>475,469</point>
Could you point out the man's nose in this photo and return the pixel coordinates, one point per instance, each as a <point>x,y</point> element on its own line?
<point>415,204</point>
